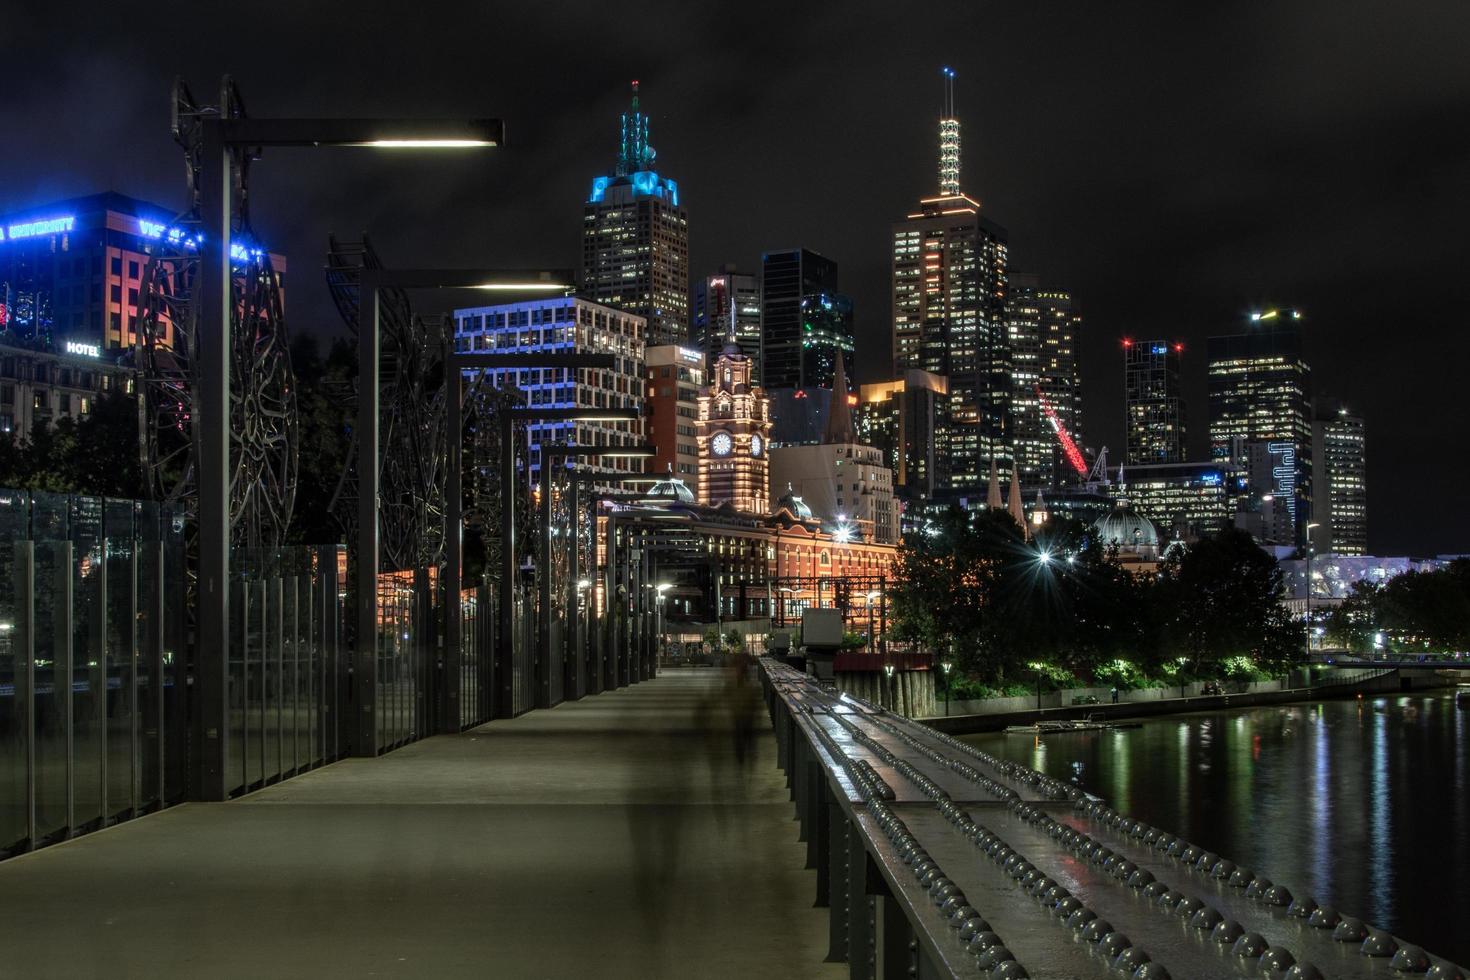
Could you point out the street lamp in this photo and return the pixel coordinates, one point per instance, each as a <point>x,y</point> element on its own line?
<point>1310,551</point>
<point>888,671</point>
<point>221,136</point>
<point>946,666</point>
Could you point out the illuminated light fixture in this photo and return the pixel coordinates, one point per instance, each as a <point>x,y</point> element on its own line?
<point>411,144</point>
<point>37,229</point>
<point>521,286</point>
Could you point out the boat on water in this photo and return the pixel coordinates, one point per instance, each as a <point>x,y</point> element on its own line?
<point>1065,726</point>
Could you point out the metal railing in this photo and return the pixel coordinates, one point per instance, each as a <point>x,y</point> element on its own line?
<point>91,640</point>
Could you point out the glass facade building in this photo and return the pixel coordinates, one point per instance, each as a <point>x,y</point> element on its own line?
<point>1260,392</point>
<point>727,304</point>
<point>1042,328</point>
<point>1339,460</point>
<point>1155,402</point>
<point>805,322</point>
<point>904,419</point>
<point>1186,500</point>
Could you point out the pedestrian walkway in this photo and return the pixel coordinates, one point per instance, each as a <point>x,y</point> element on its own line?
<point>616,836</point>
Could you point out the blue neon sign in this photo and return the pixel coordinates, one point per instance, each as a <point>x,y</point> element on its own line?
<point>38,229</point>
<point>177,235</point>
<point>1160,349</point>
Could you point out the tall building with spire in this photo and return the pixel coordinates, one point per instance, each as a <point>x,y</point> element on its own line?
<point>635,238</point>
<point>949,311</point>
<point>733,433</point>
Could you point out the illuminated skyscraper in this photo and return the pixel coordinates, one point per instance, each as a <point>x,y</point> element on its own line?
<point>1260,392</point>
<point>1155,402</point>
<point>949,300</point>
<point>635,238</point>
<point>728,304</point>
<point>805,322</point>
<point>1339,461</point>
<point>1042,329</point>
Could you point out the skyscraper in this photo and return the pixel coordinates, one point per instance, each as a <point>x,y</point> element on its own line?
<point>635,238</point>
<point>1155,402</point>
<point>1260,392</point>
<point>904,418</point>
<point>1339,462</point>
<point>1042,329</point>
<point>728,304</point>
<point>949,295</point>
<point>805,322</point>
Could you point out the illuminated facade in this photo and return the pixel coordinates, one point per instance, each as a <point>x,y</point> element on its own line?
<point>1042,330</point>
<point>1339,461</point>
<point>570,326</point>
<point>1155,402</point>
<point>949,303</point>
<point>635,238</point>
<point>42,388</point>
<point>1260,393</point>
<point>733,434</point>
<point>674,376</point>
<point>71,271</point>
<point>728,304</point>
<point>806,324</point>
<point>1185,500</point>
<point>903,419</point>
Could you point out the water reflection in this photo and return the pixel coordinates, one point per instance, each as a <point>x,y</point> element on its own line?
<point>1364,805</point>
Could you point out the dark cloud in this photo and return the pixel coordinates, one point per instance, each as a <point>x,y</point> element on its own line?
<point>1174,164</point>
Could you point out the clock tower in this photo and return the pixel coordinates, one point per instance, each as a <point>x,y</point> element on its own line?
<point>733,432</point>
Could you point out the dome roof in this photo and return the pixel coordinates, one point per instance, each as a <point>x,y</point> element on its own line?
<point>1128,529</point>
<point>798,508</point>
<point>670,490</point>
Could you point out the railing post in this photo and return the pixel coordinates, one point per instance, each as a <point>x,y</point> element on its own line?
<point>25,655</point>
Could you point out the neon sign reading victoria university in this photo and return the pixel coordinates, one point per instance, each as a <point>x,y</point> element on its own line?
<point>177,236</point>
<point>37,229</point>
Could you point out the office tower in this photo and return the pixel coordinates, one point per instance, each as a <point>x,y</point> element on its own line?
<point>1260,394</point>
<point>673,376</point>
<point>71,271</point>
<point>949,295</point>
<point>565,325</point>
<point>1154,397</point>
<point>903,419</point>
<point>728,304</point>
<point>635,238</point>
<point>1339,465</point>
<point>847,485</point>
<point>1185,500</point>
<point>805,322</point>
<point>1042,328</point>
<point>732,433</point>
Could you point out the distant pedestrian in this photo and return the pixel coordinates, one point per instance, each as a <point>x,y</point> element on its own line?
<point>1115,695</point>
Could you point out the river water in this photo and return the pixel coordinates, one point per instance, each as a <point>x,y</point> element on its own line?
<point>1361,804</point>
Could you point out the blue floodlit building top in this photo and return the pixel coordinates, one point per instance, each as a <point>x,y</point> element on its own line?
<point>635,176</point>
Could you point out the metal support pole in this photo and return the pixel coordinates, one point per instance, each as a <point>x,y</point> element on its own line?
<point>612,610</point>
<point>505,634</point>
<point>212,642</point>
<point>572,656</point>
<point>454,549</point>
<point>543,590</point>
<point>366,668</point>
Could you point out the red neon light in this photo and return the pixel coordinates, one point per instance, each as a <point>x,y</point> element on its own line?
<point>1127,342</point>
<point>1069,446</point>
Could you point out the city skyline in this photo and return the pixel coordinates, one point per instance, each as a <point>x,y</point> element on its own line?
<point>1214,196</point>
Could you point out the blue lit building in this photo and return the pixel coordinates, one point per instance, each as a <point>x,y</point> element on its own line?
<point>635,238</point>
<point>71,271</point>
<point>567,325</point>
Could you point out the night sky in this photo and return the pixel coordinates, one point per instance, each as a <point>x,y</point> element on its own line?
<point>1176,167</point>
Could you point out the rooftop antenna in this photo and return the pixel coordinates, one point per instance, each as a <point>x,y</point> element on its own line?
<point>949,140</point>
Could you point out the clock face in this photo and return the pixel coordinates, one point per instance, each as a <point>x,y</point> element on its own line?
<point>721,444</point>
<point>756,445</point>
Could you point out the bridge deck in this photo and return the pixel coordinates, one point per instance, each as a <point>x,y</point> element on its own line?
<point>611,837</point>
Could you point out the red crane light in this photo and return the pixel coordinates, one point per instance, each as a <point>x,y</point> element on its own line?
<point>1069,445</point>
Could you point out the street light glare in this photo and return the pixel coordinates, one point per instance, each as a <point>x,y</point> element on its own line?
<point>521,286</point>
<point>410,144</point>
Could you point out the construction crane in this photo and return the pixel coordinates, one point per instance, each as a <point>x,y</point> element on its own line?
<point>1069,445</point>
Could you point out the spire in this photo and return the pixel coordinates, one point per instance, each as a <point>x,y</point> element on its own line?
<point>949,141</point>
<point>839,417</point>
<point>1018,512</point>
<point>634,153</point>
<point>992,498</point>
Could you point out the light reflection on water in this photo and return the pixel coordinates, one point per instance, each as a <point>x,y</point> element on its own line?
<point>1361,803</point>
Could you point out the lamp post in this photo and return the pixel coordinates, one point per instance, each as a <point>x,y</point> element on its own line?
<point>1310,552</point>
<point>222,136</point>
<point>371,283</point>
<point>946,666</point>
<point>892,701</point>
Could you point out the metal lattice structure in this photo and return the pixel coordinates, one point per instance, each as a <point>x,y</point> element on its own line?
<point>484,404</point>
<point>263,420</point>
<point>412,452</point>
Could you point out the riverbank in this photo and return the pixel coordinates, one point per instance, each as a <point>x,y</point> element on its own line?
<point>1387,682</point>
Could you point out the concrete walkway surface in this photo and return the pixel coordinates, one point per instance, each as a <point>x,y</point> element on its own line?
<point>616,836</point>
